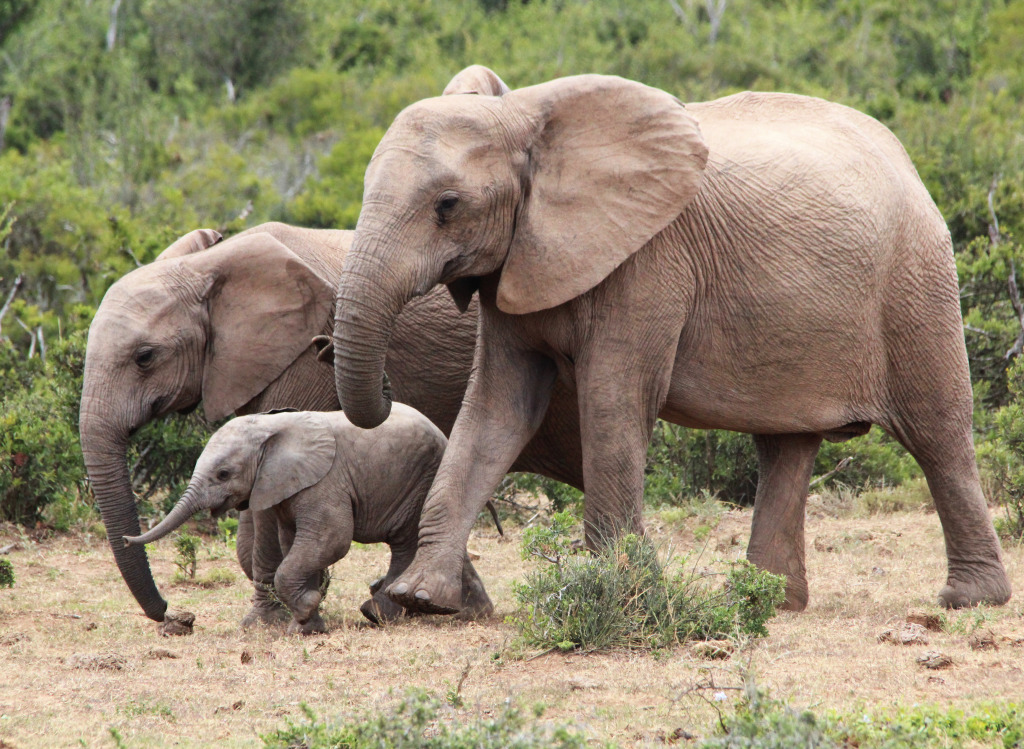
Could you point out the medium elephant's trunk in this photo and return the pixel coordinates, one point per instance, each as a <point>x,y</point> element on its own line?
<point>189,504</point>
<point>370,297</point>
<point>104,447</point>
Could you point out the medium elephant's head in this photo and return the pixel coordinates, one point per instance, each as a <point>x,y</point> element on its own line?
<point>252,462</point>
<point>548,189</point>
<point>212,324</point>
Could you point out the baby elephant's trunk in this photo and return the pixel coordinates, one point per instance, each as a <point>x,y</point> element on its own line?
<point>187,506</point>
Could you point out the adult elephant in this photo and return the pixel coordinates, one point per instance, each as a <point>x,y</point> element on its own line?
<point>764,263</point>
<point>229,324</point>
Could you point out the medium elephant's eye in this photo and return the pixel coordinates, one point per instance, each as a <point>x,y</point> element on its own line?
<point>144,357</point>
<point>223,474</point>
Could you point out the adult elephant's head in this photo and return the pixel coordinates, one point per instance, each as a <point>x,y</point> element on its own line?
<point>214,325</point>
<point>547,188</point>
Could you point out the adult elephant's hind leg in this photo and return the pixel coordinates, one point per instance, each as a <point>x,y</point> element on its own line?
<point>785,464</point>
<point>975,568</point>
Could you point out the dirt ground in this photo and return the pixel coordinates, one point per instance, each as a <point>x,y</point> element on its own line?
<point>77,658</point>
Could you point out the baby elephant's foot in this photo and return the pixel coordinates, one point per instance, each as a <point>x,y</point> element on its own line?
<point>380,609</point>
<point>429,591</point>
<point>266,614</point>
<point>313,626</point>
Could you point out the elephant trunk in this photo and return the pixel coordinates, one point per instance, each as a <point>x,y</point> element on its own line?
<point>370,296</point>
<point>104,448</point>
<point>189,504</point>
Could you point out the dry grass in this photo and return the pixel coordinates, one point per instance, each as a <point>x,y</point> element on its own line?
<point>76,657</point>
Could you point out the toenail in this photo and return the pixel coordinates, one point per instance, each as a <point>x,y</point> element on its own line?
<point>401,589</point>
<point>422,595</point>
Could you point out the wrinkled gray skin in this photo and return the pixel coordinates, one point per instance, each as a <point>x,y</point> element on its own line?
<point>765,263</point>
<point>322,483</point>
<point>229,324</point>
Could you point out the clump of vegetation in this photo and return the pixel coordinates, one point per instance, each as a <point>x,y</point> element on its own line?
<point>6,574</point>
<point>187,547</point>
<point>761,722</point>
<point>1002,458</point>
<point>622,596</point>
<point>418,722</point>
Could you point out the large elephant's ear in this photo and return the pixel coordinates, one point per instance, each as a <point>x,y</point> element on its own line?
<point>298,453</point>
<point>476,79</point>
<point>611,163</point>
<point>265,305</point>
<point>195,241</point>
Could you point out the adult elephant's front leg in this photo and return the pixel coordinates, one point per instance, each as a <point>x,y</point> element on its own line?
<point>504,405</point>
<point>785,463</point>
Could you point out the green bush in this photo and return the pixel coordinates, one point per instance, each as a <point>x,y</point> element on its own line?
<point>419,722</point>
<point>1002,458</point>
<point>6,574</point>
<point>682,463</point>
<point>622,597</point>
<point>764,723</point>
<point>187,547</point>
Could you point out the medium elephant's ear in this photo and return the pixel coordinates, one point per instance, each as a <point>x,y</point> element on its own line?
<point>298,453</point>
<point>265,305</point>
<point>611,163</point>
<point>476,79</point>
<point>195,241</point>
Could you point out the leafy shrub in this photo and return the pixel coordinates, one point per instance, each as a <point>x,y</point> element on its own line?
<point>878,461</point>
<point>764,723</point>
<point>684,462</point>
<point>621,597</point>
<point>40,459</point>
<point>1002,458</point>
<point>562,496</point>
<point>187,547</point>
<point>418,722</point>
<point>6,574</point>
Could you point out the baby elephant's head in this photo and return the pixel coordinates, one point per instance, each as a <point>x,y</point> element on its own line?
<point>253,462</point>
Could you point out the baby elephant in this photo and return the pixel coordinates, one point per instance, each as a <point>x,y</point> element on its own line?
<point>325,483</point>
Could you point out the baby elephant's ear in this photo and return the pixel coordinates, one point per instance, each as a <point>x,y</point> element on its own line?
<point>298,453</point>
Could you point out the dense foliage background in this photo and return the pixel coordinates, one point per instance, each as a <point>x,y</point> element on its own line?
<point>125,123</point>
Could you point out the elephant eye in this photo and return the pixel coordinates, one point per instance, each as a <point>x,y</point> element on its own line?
<point>445,205</point>
<point>223,474</point>
<point>144,357</point>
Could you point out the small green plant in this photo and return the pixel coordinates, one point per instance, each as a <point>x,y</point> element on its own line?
<point>419,722</point>
<point>964,622</point>
<point>227,527</point>
<point>622,597</point>
<point>6,574</point>
<point>766,723</point>
<point>187,547</point>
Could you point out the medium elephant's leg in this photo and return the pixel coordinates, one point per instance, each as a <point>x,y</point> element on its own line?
<point>505,403</point>
<point>785,464</point>
<point>265,557</point>
<point>975,569</point>
<point>476,604</point>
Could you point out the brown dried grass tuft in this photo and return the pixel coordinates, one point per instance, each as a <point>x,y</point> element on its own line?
<point>69,599</point>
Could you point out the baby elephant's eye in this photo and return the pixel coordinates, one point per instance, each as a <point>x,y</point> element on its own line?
<point>445,205</point>
<point>223,474</point>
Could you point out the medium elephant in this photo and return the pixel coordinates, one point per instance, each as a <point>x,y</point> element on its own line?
<point>229,324</point>
<point>764,263</point>
<point>321,483</point>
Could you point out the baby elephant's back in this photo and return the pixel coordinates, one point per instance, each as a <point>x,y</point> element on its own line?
<point>401,452</point>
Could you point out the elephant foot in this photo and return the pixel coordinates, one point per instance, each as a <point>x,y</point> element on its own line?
<point>266,614</point>
<point>427,591</point>
<point>313,626</point>
<point>797,592</point>
<point>476,610</point>
<point>380,609</point>
<point>476,604</point>
<point>970,586</point>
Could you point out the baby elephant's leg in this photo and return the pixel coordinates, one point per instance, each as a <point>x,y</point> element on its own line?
<point>380,609</point>
<point>260,538</point>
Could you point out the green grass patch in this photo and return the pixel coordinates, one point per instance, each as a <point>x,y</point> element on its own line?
<point>6,574</point>
<point>623,596</point>
<point>420,721</point>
